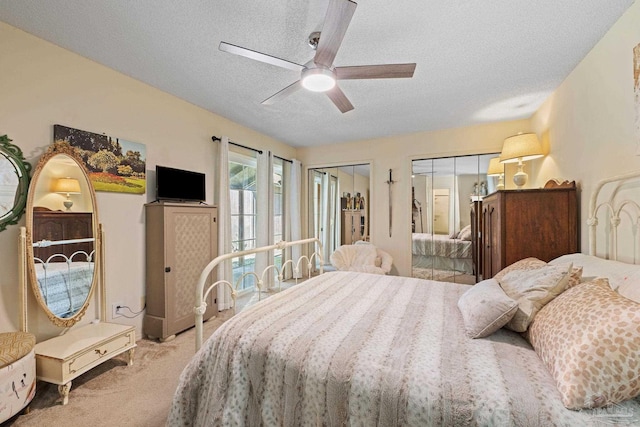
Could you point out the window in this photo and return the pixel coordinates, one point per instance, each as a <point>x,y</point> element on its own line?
<point>243,176</point>
<point>242,185</point>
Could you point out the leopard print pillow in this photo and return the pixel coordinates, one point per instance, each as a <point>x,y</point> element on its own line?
<point>589,339</point>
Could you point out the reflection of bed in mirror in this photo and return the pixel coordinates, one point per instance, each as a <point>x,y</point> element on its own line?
<point>440,252</point>
<point>65,285</point>
<point>446,198</point>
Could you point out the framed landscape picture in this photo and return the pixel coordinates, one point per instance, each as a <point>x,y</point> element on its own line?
<point>113,163</point>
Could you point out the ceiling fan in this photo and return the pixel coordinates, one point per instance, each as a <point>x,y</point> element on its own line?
<point>319,74</point>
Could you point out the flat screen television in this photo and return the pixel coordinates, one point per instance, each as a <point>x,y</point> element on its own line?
<point>179,185</point>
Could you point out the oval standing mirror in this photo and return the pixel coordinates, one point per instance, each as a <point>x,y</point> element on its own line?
<point>62,238</point>
<point>14,181</point>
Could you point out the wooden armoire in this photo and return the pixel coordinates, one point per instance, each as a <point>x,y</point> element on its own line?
<point>516,224</point>
<point>181,239</point>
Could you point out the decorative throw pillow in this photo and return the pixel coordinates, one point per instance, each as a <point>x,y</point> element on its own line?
<point>523,264</point>
<point>575,277</point>
<point>465,233</point>
<point>589,339</point>
<point>485,308</point>
<point>532,289</point>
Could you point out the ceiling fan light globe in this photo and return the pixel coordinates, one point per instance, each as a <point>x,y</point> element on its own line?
<point>318,79</point>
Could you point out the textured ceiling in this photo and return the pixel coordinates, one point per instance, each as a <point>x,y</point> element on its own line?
<point>477,61</point>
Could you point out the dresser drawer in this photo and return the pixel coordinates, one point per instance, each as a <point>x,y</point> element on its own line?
<point>99,353</point>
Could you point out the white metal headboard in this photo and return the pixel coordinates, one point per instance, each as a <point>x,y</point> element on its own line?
<point>202,293</point>
<point>617,197</point>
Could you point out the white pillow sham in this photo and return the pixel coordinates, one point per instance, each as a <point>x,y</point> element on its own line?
<point>485,308</point>
<point>623,278</point>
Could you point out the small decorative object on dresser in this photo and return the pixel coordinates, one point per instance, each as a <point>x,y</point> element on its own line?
<point>517,224</point>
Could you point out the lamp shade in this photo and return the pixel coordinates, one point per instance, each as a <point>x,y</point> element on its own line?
<point>66,185</point>
<point>495,167</point>
<point>521,147</point>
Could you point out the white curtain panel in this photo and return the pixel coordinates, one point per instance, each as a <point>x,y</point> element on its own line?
<point>293,217</point>
<point>326,216</point>
<point>264,220</point>
<point>225,271</point>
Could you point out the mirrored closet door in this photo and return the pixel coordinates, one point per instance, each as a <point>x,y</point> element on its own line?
<point>446,207</point>
<point>338,205</point>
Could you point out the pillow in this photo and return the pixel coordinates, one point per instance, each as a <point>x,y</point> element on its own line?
<point>465,233</point>
<point>623,278</point>
<point>575,275</point>
<point>532,289</point>
<point>485,308</point>
<point>523,264</point>
<point>589,339</point>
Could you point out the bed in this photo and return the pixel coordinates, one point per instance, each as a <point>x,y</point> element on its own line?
<point>349,348</point>
<point>440,252</point>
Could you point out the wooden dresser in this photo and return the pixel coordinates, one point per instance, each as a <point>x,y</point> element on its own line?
<point>58,225</point>
<point>181,240</point>
<point>476,237</point>
<point>517,224</point>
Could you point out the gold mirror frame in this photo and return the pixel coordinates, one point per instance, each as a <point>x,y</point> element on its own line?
<point>61,148</point>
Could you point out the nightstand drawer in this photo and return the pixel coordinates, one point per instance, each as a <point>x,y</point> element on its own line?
<point>105,350</point>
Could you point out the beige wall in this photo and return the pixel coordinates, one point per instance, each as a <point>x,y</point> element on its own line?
<point>588,122</point>
<point>42,85</point>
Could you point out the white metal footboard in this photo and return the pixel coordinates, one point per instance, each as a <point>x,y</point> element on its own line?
<point>202,293</point>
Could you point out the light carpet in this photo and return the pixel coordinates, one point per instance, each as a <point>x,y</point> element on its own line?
<point>114,394</point>
<point>443,275</point>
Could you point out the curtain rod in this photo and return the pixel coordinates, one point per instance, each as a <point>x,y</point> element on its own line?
<point>215,138</point>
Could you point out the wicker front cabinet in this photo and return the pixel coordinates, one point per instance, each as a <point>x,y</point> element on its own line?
<point>181,239</point>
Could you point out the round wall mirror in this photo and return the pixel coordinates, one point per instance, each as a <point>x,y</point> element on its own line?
<point>62,238</point>
<point>14,182</point>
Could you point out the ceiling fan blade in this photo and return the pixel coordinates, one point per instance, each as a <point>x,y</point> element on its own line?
<point>340,99</point>
<point>336,22</point>
<point>283,93</point>
<point>262,57</point>
<point>384,71</point>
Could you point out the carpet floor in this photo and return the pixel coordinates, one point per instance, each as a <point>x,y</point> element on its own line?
<point>114,394</point>
<point>443,276</point>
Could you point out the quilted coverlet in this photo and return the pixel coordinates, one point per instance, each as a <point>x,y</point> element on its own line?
<point>440,245</point>
<point>359,349</point>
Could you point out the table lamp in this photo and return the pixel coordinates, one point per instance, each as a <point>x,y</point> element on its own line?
<point>67,186</point>
<point>496,169</point>
<point>520,148</point>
